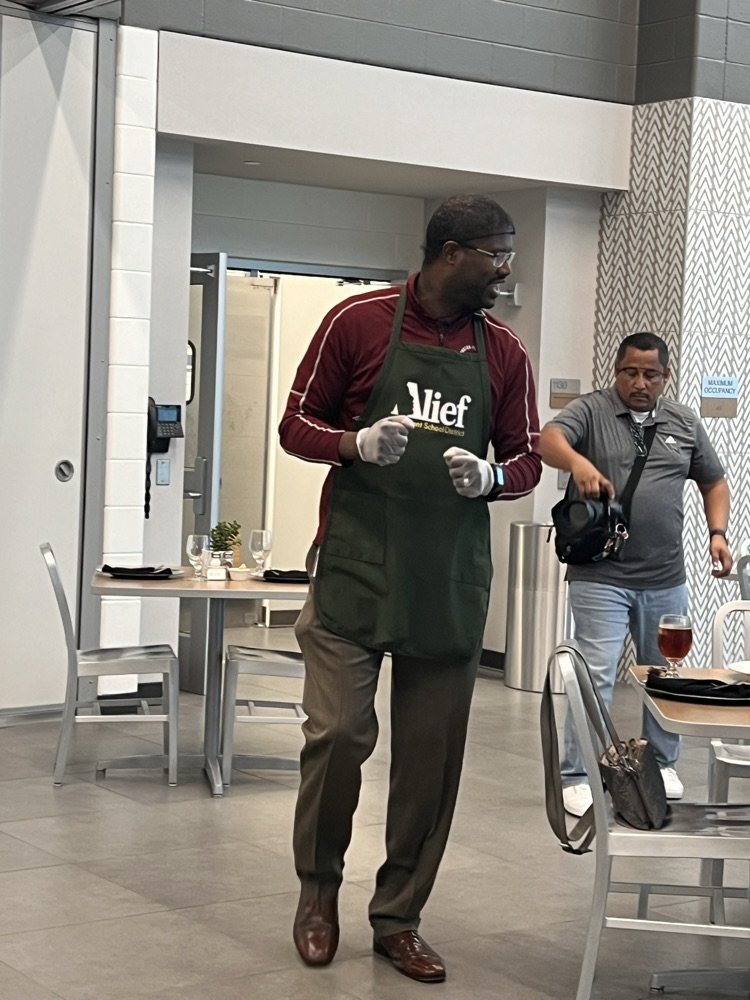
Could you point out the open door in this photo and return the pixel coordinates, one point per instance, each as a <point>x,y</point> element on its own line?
<point>203,425</point>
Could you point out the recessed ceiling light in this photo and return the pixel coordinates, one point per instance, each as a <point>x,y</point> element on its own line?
<point>251,163</point>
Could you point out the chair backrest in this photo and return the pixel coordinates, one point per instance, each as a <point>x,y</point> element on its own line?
<point>743,575</point>
<point>718,630</point>
<point>70,639</point>
<point>584,707</point>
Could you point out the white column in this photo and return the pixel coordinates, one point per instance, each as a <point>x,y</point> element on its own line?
<point>130,318</point>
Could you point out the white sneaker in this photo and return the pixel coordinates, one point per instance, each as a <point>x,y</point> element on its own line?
<point>577,799</point>
<point>672,784</point>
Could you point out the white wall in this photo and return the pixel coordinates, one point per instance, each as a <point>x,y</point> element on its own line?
<point>528,211</point>
<point>558,232</point>
<point>297,223</point>
<point>170,297</point>
<point>46,149</point>
<point>569,268</point>
<point>240,93</point>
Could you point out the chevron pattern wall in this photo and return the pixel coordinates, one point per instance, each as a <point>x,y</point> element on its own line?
<point>674,258</point>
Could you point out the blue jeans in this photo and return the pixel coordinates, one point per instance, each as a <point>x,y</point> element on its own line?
<point>602,616</point>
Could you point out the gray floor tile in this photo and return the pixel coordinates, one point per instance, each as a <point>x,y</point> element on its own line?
<point>128,829</point>
<point>190,877</point>
<point>289,984</point>
<point>177,895</point>
<point>50,897</point>
<point>14,986</point>
<point>125,958</point>
<point>31,798</point>
<point>15,854</point>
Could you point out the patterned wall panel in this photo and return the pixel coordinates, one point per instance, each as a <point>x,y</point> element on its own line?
<point>642,242</point>
<point>716,324</point>
<point>674,258</point>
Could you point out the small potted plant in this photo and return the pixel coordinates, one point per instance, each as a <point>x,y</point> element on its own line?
<point>225,537</point>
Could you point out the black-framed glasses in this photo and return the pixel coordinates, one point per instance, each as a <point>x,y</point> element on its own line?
<point>649,374</point>
<point>498,259</point>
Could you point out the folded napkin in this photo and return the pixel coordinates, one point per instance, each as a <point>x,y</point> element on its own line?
<point>286,576</point>
<point>698,689</point>
<point>138,572</point>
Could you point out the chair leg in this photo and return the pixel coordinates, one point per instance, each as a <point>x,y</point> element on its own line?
<point>228,712</point>
<point>718,781</point>
<point>172,680</point>
<point>716,914</point>
<point>164,708</point>
<point>66,734</point>
<point>596,921</point>
<point>718,791</point>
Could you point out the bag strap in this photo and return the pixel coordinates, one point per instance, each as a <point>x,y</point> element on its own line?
<point>635,473</point>
<point>584,830</point>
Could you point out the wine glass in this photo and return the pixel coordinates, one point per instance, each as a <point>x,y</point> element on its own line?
<point>260,548</point>
<point>675,639</point>
<point>195,546</point>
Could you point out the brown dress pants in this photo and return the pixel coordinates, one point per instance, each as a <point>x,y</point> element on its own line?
<point>430,704</point>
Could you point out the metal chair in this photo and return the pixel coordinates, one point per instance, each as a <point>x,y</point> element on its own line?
<point>743,575</point>
<point>729,760</point>
<point>264,663</point>
<point>87,663</point>
<point>694,831</point>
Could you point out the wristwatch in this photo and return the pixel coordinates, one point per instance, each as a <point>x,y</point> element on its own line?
<point>717,531</point>
<point>498,482</point>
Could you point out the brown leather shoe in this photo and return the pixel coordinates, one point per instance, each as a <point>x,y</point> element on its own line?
<point>411,955</point>
<point>316,923</point>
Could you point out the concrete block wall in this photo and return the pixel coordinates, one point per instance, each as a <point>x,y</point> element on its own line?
<point>694,48</point>
<point>582,48</point>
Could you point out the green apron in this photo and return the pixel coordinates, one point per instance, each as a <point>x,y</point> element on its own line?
<point>404,565</point>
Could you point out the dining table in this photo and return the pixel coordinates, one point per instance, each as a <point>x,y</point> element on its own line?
<point>184,585</point>
<point>709,721</point>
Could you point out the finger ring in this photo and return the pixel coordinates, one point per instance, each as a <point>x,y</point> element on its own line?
<point>466,481</point>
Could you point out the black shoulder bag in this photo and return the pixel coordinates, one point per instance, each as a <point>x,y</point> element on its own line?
<point>628,769</point>
<point>591,530</point>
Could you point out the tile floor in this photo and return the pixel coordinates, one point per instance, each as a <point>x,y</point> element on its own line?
<point>123,888</point>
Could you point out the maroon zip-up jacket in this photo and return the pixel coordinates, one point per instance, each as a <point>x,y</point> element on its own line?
<point>339,370</point>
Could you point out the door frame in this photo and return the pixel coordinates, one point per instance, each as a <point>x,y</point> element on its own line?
<point>100,267</point>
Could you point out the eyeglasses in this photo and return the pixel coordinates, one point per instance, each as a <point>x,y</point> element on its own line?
<point>648,374</point>
<point>498,259</point>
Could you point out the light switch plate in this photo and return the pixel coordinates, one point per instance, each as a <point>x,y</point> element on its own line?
<point>163,470</point>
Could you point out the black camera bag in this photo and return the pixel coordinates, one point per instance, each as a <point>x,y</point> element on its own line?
<point>588,530</point>
<point>591,530</point>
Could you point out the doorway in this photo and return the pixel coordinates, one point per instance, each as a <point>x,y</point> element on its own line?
<point>249,326</point>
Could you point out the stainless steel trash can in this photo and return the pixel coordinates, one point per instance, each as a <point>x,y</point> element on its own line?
<point>537,614</point>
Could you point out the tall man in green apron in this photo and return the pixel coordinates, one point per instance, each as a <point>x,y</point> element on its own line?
<point>402,391</point>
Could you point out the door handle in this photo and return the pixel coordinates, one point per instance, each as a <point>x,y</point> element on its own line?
<point>194,486</point>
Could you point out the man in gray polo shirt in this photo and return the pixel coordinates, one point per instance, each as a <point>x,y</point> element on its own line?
<point>597,438</point>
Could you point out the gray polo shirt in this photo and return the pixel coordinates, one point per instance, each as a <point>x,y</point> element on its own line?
<point>597,425</point>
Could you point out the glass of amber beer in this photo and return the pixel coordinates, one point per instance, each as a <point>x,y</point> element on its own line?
<point>675,640</point>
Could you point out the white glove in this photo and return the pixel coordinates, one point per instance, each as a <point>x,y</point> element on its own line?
<point>472,476</point>
<point>385,442</point>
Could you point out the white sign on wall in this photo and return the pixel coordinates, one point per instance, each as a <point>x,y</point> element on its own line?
<point>719,395</point>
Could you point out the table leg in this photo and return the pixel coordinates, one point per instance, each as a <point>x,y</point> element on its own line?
<point>212,718</point>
